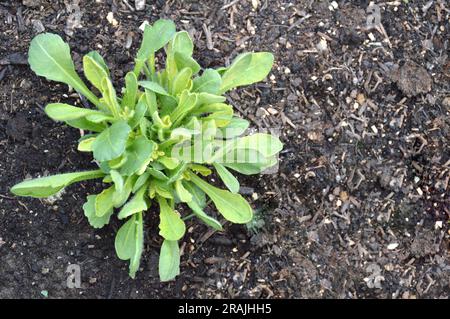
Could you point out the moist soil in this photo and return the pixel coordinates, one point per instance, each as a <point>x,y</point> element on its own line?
<point>358,207</point>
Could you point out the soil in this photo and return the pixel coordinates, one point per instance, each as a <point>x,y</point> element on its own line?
<point>359,206</point>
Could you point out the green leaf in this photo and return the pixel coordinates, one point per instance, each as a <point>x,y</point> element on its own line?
<point>110,97</point>
<point>49,56</point>
<point>98,118</point>
<point>208,82</point>
<point>182,81</point>
<point>86,145</point>
<point>234,128</point>
<point>169,260</point>
<point>66,112</point>
<point>265,144</point>
<point>121,197</point>
<point>47,186</point>
<point>154,87</point>
<point>182,193</point>
<point>94,71</point>
<point>118,181</point>
<point>141,180</point>
<point>104,202</point>
<point>185,105</point>
<point>111,143</point>
<point>85,124</point>
<point>181,43</point>
<point>227,178</point>
<point>208,98</point>
<point>155,37</point>
<point>246,69</point>
<point>157,174</point>
<point>169,162</point>
<point>129,242</point>
<point>232,206</point>
<point>208,220</point>
<point>184,61</point>
<point>256,163</point>
<point>139,113</point>
<point>221,113</point>
<point>99,60</point>
<point>138,245</point>
<point>137,204</point>
<point>138,154</point>
<point>131,90</point>
<point>89,212</point>
<point>198,195</point>
<point>171,226</point>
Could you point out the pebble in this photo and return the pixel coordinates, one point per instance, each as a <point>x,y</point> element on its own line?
<point>111,19</point>
<point>392,246</point>
<point>139,4</point>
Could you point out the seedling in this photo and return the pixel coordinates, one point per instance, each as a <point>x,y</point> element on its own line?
<point>152,142</point>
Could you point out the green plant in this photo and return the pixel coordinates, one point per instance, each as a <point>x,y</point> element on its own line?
<point>152,142</point>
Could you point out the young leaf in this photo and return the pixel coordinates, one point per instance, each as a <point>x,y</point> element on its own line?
<point>104,202</point>
<point>99,60</point>
<point>137,204</point>
<point>121,197</point>
<point>86,145</point>
<point>49,56</point>
<point>171,226</point>
<point>47,186</point>
<point>182,81</point>
<point>185,105</point>
<point>169,260</point>
<point>89,212</point>
<point>155,37</point>
<point>138,155</point>
<point>181,43</point>
<point>118,181</point>
<point>139,113</point>
<point>184,61</point>
<point>94,71</point>
<point>110,97</point>
<point>246,69</point>
<point>227,178</point>
<point>66,112</point>
<point>154,87</point>
<point>234,128</point>
<point>131,89</point>
<point>208,82</point>
<point>232,206</point>
<point>110,143</point>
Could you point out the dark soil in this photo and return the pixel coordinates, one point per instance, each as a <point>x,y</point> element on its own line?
<point>359,207</point>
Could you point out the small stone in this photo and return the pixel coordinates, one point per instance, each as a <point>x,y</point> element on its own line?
<point>38,27</point>
<point>139,4</point>
<point>111,19</point>
<point>392,246</point>
<point>143,24</point>
<point>322,46</point>
<point>31,3</point>
<point>92,280</point>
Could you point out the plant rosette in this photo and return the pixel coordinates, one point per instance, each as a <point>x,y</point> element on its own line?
<point>156,141</point>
